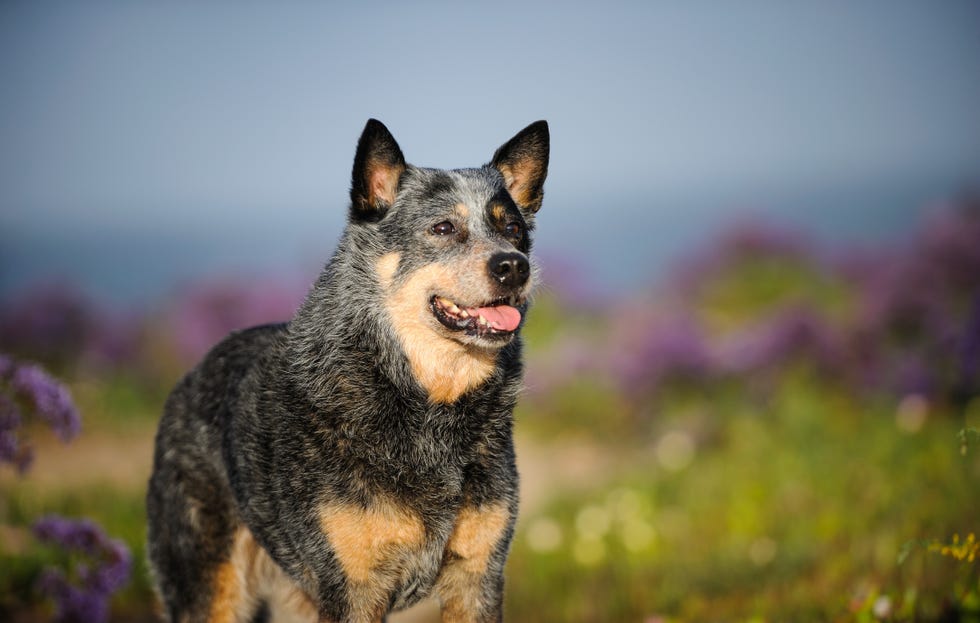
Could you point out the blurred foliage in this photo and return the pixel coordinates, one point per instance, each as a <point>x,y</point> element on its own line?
<point>795,510</point>
<point>778,422</point>
<point>120,512</point>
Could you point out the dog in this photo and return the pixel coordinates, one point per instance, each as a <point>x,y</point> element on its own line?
<point>358,458</point>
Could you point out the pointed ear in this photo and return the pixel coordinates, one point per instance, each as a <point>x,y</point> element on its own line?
<point>378,165</point>
<point>523,161</point>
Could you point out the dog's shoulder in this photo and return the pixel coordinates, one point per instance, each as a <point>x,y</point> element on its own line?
<point>220,373</point>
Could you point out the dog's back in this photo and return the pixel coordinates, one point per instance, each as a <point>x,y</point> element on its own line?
<point>360,457</point>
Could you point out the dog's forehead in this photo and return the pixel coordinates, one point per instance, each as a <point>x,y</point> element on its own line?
<point>473,188</point>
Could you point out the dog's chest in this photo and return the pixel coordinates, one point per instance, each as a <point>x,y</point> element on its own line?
<point>388,549</point>
<point>394,526</point>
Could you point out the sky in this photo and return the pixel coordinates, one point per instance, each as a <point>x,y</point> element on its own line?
<point>144,144</point>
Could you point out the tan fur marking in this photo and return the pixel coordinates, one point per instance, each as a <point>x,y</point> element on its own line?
<point>445,368</point>
<point>517,177</point>
<point>470,371</point>
<point>508,172</point>
<point>371,545</point>
<point>476,534</point>
<point>383,181</point>
<point>498,212</point>
<point>386,266</point>
<point>288,603</point>
<point>250,575</point>
<point>462,211</point>
<point>231,600</point>
<point>227,594</point>
<point>362,538</point>
<point>475,537</point>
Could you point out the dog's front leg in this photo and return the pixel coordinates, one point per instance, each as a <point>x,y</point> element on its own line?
<point>470,585</point>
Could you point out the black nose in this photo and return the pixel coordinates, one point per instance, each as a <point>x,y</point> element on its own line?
<point>509,269</point>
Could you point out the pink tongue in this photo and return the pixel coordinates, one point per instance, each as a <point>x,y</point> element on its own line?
<point>500,317</point>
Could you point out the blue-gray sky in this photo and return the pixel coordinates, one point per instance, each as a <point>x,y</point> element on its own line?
<point>134,136</point>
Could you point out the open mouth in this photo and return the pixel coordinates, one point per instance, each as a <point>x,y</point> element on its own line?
<point>497,319</point>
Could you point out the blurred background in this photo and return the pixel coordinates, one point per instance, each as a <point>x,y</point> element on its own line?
<point>753,369</point>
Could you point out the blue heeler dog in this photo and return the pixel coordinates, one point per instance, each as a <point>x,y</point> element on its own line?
<point>359,457</point>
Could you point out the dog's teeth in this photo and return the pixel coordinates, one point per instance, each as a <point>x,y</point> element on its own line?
<point>449,306</point>
<point>483,321</point>
<point>462,313</point>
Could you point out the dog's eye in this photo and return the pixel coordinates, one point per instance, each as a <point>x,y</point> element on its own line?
<point>514,230</point>
<point>444,228</point>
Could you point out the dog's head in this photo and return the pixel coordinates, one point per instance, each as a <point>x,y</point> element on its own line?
<point>450,247</point>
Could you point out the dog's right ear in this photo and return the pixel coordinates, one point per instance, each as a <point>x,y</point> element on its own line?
<point>378,165</point>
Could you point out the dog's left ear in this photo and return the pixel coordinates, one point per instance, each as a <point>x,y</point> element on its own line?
<point>378,165</point>
<point>523,161</point>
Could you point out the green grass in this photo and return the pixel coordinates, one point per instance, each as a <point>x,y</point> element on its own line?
<point>796,510</point>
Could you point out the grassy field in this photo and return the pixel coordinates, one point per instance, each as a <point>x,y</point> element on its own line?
<point>772,434</point>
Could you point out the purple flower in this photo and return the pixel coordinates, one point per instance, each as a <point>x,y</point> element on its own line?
<point>27,389</point>
<point>106,569</point>
<point>10,417</point>
<point>50,399</point>
<point>76,535</point>
<point>73,604</point>
<point>11,450</point>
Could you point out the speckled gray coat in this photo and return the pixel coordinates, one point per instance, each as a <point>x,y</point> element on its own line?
<point>359,457</point>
